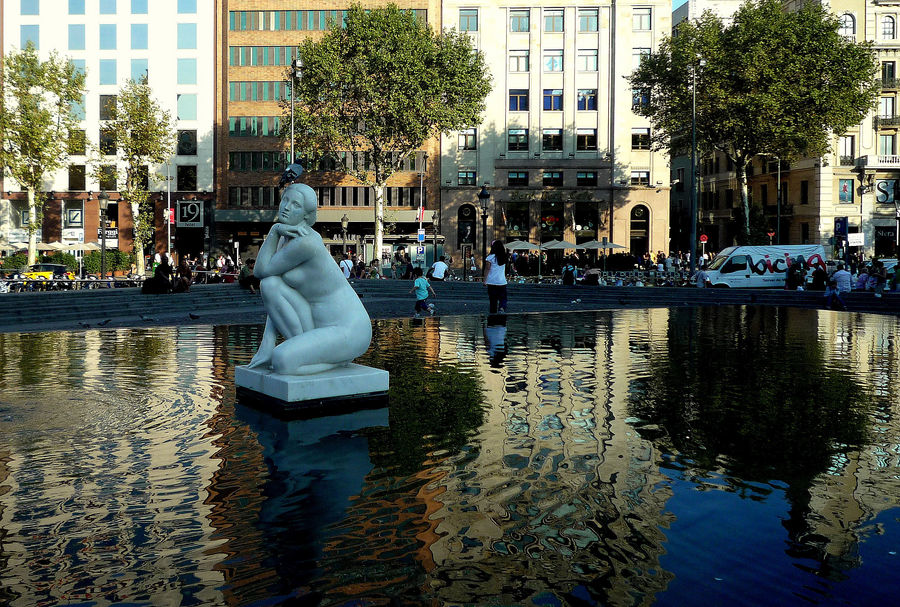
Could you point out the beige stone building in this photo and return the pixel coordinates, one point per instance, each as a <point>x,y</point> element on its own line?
<point>560,149</point>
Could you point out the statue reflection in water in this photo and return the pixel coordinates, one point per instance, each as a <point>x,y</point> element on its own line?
<point>307,299</point>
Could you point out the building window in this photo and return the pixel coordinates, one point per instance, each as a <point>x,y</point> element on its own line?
<point>804,192</point>
<point>107,7</point>
<point>187,106</point>
<point>139,70</point>
<point>107,37</point>
<point>468,19</point>
<point>517,140</point>
<point>640,177</point>
<point>553,99</point>
<point>139,36</point>
<point>77,111</point>
<point>639,98</point>
<point>187,143</point>
<point>586,178</point>
<point>641,18</point>
<point>552,178</point>
<point>107,71</point>
<point>587,99</point>
<point>467,139</point>
<point>76,7</point>
<point>888,28</point>
<point>847,25</point>
<point>77,144</point>
<point>886,145</point>
<point>519,20</point>
<point>107,107</point>
<point>640,138</point>
<point>187,7</point>
<point>186,177</point>
<point>888,72</point>
<point>29,7</point>
<point>553,19</point>
<point>518,61</point>
<point>517,179</point>
<point>76,37</point>
<point>585,139</point>
<point>187,71</point>
<point>553,61</point>
<point>587,20</point>
<point>108,178</point>
<point>466,177</point>
<point>138,7</point>
<point>637,55</point>
<point>847,150</point>
<point>587,60</point>
<point>551,141</point>
<point>518,100</point>
<point>253,126</point>
<point>886,107</point>
<point>77,177</point>
<point>29,33</point>
<point>107,142</point>
<point>187,35</point>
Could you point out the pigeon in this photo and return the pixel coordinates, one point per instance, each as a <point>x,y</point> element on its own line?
<point>193,316</point>
<point>103,323</point>
<point>85,325</point>
<point>147,318</point>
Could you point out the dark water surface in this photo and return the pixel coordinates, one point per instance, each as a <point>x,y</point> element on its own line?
<point>718,456</point>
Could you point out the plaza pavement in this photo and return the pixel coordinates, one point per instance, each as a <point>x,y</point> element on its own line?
<point>229,304</point>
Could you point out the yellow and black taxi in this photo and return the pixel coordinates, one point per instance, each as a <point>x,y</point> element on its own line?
<point>48,271</point>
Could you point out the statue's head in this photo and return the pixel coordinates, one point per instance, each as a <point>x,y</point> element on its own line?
<point>298,205</point>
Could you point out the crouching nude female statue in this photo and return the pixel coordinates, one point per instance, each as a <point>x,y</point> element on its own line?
<point>307,298</point>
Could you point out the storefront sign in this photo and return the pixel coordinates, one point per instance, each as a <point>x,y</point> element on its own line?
<point>111,233</point>
<point>885,191</point>
<point>189,214</point>
<point>856,239</point>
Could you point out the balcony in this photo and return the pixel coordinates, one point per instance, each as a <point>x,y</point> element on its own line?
<point>882,121</point>
<point>875,162</point>
<point>889,83</point>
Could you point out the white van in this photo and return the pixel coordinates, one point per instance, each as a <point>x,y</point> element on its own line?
<point>762,267</point>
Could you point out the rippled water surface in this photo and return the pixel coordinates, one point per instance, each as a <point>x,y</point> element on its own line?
<point>691,456</point>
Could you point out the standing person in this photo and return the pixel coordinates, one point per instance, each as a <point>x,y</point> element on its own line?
<point>421,288</point>
<point>701,278</point>
<point>346,266</point>
<point>495,277</point>
<point>439,269</point>
<point>407,267</point>
<point>568,272</point>
<point>880,274</point>
<point>840,283</point>
<point>246,278</point>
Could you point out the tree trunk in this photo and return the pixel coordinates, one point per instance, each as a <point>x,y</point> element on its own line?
<point>138,243</point>
<point>379,219</point>
<point>741,174</point>
<point>32,229</point>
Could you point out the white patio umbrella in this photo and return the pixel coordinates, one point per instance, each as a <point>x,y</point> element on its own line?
<point>5,246</point>
<point>44,246</point>
<point>557,245</point>
<point>521,245</point>
<point>602,244</point>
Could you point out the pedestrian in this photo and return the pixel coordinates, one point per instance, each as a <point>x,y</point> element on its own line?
<point>346,266</point>
<point>246,278</point>
<point>880,274</point>
<point>701,279</point>
<point>408,267</point>
<point>439,269</point>
<point>838,285</point>
<point>421,287</point>
<point>184,278</point>
<point>495,277</point>
<point>568,272</point>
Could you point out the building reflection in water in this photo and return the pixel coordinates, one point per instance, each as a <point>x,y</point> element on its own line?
<point>532,459</point>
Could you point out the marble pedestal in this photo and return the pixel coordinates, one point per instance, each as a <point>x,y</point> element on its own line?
<point>331,392</point>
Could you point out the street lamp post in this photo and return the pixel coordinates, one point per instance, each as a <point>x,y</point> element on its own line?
<point>168,211</point>
<point>103,197</point>
<point>778,205</point>
<point>694,188</point>
<point>296,66</point>
<point>484,199</point>
<point>345,221</point>
<point>434,228</point>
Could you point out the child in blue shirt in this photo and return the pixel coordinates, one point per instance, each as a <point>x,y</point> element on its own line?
<point>421,287</point>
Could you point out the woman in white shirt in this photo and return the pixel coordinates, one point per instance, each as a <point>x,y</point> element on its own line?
<point>495,277</point>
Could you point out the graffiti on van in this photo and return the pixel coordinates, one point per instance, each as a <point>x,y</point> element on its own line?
<point>780,265</point>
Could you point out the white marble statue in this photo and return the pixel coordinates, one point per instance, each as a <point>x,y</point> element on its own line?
<point>307,298</point>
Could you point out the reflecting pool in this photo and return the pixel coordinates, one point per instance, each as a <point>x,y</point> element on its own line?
<point>717,455</point>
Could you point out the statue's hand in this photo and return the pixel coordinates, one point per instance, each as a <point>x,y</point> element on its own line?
<point>290,231</point>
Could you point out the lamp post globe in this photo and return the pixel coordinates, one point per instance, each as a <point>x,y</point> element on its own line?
<point>103,198</point>
<point>484,200</point>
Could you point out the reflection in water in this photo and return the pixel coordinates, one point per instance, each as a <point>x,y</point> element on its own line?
<point>625,457</point>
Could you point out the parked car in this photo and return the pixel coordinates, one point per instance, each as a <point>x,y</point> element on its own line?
<point>761,266</point>
<point>48,271</point>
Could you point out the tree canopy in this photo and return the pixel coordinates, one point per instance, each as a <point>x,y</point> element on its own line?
<point>36,123</point>
<point>772,82</point>
<point>144,134</point>
<point>373,89</point>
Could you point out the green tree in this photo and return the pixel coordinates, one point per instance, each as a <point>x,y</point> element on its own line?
<point>772,82</point>
<point>144,134</point>
<point>36,122</point>
<point>371,92</point>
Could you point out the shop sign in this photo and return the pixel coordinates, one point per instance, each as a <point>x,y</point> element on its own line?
<point>189,214</point>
